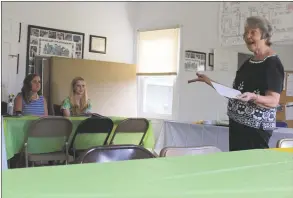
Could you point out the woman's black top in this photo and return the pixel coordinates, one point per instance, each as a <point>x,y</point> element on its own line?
<point>257,77</point>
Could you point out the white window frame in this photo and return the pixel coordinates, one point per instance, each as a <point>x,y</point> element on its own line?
<point>140,92</point>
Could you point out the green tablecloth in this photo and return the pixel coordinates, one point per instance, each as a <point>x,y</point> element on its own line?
<point>16,128</point>
<point>245,174</point>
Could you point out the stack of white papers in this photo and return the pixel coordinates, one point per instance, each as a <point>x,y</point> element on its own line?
<point>226,91</point>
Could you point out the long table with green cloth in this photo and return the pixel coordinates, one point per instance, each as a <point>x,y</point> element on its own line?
<point>243,174</point>
<point>16,128</point>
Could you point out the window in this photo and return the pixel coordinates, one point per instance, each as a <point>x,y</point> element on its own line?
<point>157,65</point>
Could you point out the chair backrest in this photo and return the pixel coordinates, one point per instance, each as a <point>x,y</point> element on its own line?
<point>97,115</point>
<point>57,110</point>
<point>281,124</point>
<point>50,127</point>
<point>94,125</point>
<point>132,125</point>
<point>285,143</point>
<point>182,151</point>
<point>115,153</point>
<point>3,107</point>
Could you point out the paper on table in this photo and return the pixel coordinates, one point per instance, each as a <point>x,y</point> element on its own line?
<point>289,84</point>
<point>226,91</point>
<point>289,111</point>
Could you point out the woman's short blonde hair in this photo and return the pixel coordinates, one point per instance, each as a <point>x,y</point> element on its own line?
<point>78,108</point>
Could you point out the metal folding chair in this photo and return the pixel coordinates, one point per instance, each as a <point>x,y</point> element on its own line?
<point>182,151</point>
<point>49,127</point>
<point>91,125</point>
<point>285,143</point>
<point>112,153</point>
<point>132,125</point>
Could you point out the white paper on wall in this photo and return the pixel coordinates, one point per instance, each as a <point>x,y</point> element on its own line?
<point>223,66</point>
<point>289,111</point>
<point>289,91</point>
<point>225,60</point>
<point>284,85</point>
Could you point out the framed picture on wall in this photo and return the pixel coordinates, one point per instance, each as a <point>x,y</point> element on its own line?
<point>43,41</point>
<point>195,61</point>
<point>211,62</point>
<point>98,44</point>
<point>211,59</point>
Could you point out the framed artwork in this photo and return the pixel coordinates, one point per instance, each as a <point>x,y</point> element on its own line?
<point>98,44</point>
<point>43,41</point>
<point>211,59</point>
<point>195,61</point>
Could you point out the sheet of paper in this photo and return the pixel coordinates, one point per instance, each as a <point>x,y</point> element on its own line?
<point>289,111</point>
<point>224,66</point>
<point>289,83</point>
<point>284,83</point>
<point>226,91</point>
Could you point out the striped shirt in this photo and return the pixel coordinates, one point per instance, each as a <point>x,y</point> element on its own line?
<point>35,107</point>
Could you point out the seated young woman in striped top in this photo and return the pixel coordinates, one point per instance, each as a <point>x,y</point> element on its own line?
<point>28,101</point>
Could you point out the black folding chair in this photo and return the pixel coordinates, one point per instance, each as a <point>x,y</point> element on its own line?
<point>113,153</point>
<point>132,125</point>
<point>97,115</point>
<point>3,108</point>
<point>91,125</point>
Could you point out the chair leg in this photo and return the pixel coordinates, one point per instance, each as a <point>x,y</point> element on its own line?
<point>26,155</point>
<point>74,154</point>
<point>66,148</point>
<point>26,162</point>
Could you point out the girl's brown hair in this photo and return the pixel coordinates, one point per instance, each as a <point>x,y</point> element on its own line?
<point>26,90</point>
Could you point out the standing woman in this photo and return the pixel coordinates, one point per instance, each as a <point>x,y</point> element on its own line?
<point>29,102</point>
<point>77,103</point>
<point>252,117</point>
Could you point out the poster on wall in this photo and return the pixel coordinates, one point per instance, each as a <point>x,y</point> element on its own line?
<point>195,61</point>
<point>289,83</point>
<point>43,41</point>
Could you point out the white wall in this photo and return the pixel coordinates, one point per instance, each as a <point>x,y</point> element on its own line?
<point>199,32</point>
<point>285,53</point>
<point>109,19</point>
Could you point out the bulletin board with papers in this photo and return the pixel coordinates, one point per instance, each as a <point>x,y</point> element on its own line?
<point>286,100</point>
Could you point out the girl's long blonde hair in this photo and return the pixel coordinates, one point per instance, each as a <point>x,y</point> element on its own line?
<point>78,108</point>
